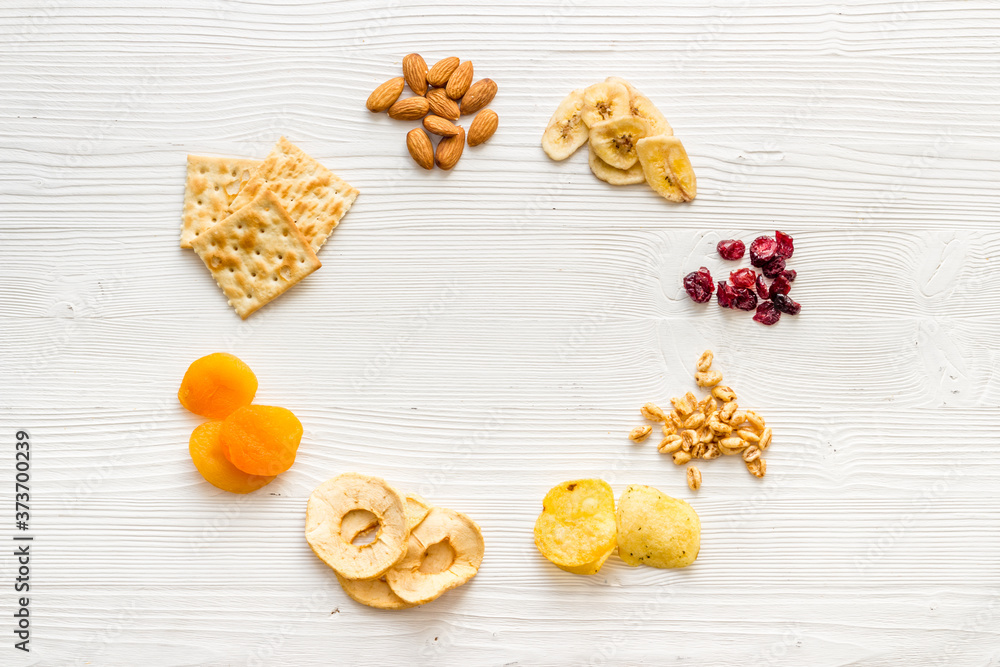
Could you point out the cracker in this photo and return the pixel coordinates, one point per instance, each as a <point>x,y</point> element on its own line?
<point>256,254</point>
<point>212,184</point>
<point>315,198</point>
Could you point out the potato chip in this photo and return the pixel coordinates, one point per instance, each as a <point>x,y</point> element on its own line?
<point>576,529</point>
<point>656,530</point>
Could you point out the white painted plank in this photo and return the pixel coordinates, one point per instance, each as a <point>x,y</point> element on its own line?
<point>480,335</point>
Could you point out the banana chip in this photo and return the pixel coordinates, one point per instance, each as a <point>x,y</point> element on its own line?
<point>566,130</point>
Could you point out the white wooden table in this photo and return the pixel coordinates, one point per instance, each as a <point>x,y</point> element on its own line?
<point>481,335</point>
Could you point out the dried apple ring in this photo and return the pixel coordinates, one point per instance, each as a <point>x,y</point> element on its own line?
<point>206,452</point>
<point>217,384</point>
<point>261,439</point>
<point>333,501</point>
<point>373,593</point>
<point>443,552</point>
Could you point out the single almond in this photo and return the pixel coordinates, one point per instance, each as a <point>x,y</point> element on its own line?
<point>450,149</point>
<point>385,95</point>
<point>483,126</point>
<point>479,95</point>
<point>420,147</point>
<point>415,73</point>
<point>442,69</point>
<point>440,126</point>
<point>409,108</point>
<point>442,105</point>
<point>459,81</point>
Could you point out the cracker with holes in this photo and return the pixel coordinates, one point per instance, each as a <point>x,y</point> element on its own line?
<point>256,254</point>
<point>315,198</point>
<point>211,186</point>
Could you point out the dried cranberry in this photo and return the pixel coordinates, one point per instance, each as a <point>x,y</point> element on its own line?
<point>774,268</point>
<point>699,285</point>
<point>785,304</point>
<point>762,289</point>
<point>785,245</point>
<point>743,278</point>
<point>745,299</point>
<point>766,313</point>
<point>763,250</point>
<point>789,275</point>
<point>780,286</point>
<point>731,249</point>
<point>726,295</point>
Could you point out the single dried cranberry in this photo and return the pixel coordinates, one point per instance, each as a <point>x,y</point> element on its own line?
<point>726,295</point>
<point>785,245</point>
<point>780,286</point>
<point>762,289</point>
<point>785,304</point>
<point>699,285</point>
<point>766,313</point>
<point>774,268</point>
<point>743,278</point>
<point>731,249</point>
<point>789,275</point>
<point>762,250</point>
<point>745,299</point>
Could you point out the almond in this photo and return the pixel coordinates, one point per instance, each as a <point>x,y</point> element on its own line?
<point>442,69</point>
<point>385,95</point>
<point>442,105</point>
<point>440,126</point>
<point>483,126</point>
<point>420,147</point>
<point>450,149</point>
<point>410,108</point>
<point>479,95</point>
<point>458,82</point>
<point>415,73</point>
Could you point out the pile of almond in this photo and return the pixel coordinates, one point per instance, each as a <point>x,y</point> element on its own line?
<point>442,94</point>
<point>704,429</point>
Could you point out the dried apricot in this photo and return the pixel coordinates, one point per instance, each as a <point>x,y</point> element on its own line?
<point>215,385</point>
<point>261,439</point>
<point>206,452</point>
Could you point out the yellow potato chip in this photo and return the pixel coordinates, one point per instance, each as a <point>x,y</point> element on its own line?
<point>576,529</point>
<point>656,530</point>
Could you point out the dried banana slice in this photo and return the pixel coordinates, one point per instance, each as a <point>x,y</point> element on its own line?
<point>641,106</point>
<point>617,79</point>
<point>566,131</point>
<point>609,174</point>
<point>605,101</point>
<point>667,168</point>
<point>614,140</point>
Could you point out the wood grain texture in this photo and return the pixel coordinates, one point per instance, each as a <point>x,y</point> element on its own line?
<point>480,335</point>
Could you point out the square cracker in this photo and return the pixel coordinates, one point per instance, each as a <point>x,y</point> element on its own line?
<point>256,254</point>
<point>315,198</point>
<point>211,186</point>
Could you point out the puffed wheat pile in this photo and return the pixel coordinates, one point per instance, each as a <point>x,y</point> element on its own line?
<point>702,429</point>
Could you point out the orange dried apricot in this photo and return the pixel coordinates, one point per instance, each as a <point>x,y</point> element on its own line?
<point>261,439</point>
<point>206,452</point>
<point>215,385</point>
